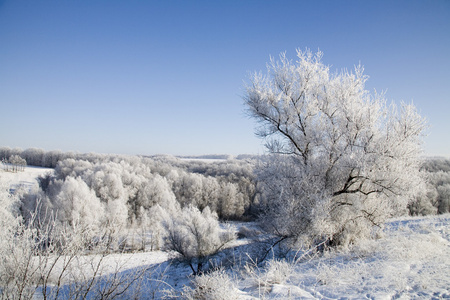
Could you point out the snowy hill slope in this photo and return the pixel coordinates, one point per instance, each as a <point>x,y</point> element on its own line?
<point>410,261</point>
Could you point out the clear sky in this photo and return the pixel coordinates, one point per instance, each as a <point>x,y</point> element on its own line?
<point>149,77</point>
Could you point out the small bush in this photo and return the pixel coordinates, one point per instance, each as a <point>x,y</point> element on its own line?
<point>274,272</point>
<point>214,286</point>
<point>195,236</point>
<point>278,271</point>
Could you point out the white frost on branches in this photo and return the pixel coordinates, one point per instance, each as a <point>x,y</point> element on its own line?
<point>196,235</point>
<point>345,159</point>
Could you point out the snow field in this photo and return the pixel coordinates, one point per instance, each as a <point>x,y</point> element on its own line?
<point>26,179</point>
<point>411,261</point>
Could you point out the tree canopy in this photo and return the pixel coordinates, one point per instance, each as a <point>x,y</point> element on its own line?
<point>344,156</point>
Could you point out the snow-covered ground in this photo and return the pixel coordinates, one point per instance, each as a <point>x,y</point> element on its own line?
<point>26,178</point>
<point>410,260</point>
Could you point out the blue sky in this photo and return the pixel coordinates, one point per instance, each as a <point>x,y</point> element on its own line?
<point>148,77</point>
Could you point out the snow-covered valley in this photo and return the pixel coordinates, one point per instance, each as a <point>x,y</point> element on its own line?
<point>409,259</point>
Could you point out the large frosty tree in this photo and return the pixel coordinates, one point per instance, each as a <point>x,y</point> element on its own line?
<point>344,160</point>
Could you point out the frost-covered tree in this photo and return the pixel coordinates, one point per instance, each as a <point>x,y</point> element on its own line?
<point>345,159</point>
<point>71,167</point>
<point>33,156</point>
<point>51,158</point>
<point>77,204</point>
<point>195,235</point>
<point>210,194</point>
<point>16,163</point>
<point>156,204</point>
<point>154,191</point>
<point>231,203</point>
<point>154,220</point>
<point>187,188</point>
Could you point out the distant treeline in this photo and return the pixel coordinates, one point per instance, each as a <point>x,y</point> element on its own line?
<point>49,159</point>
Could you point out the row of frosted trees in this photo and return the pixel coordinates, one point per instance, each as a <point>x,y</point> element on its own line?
<point>37,157</point>
<point>123,190</point>
<point>14,163</point>
<point>228,188</point>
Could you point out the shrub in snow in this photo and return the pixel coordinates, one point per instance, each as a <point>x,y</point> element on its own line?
<point>212,286</point>
<point>344,159</point>
<point>277,271</point>
<point>274,272</point>
<point>195,235</point>
<point>425,202</point>
<point>8,230</point>
<point>18,274</point>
